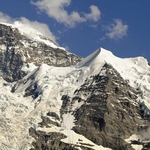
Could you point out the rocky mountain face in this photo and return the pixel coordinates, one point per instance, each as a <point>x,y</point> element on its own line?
<point>48,103</point>
<point>17,49</point>
<point>109,113</point>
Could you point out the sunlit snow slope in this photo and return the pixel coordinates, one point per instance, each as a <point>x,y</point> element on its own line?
<point>21,110</point>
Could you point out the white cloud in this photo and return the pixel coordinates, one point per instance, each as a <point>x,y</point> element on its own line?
<point>41,27</point>
<point>95,13</point>
<point>56,9</point>
<point>5,18</point>
<point>116,30</point>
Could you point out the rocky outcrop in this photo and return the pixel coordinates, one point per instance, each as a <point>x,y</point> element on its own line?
<point>17,50</point>
<point>46,122</point>
<point>51,141</point>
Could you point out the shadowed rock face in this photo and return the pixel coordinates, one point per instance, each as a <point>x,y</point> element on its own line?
<point>10,61</point>
<point>109,113</point>
<point>17,49</point>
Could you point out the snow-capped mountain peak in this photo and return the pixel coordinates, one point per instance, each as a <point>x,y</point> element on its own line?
<point>100,56</point>
<point>50,100</point>
<point>134,70</point>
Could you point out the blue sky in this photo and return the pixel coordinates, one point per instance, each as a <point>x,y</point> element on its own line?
<point>121,26</point>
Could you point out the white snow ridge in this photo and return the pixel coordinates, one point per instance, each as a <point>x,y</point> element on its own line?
<point>18,113</point>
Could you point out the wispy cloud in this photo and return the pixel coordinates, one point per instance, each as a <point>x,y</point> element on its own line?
<point>5,18</point>
<point>56,9</point>
<point>94,15</point>
<point>41,27</point>
<point>116,30</point>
